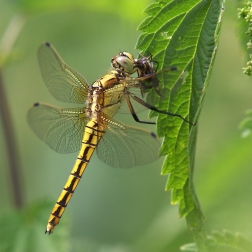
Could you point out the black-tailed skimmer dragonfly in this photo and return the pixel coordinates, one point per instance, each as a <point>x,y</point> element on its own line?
<point>91,127</point>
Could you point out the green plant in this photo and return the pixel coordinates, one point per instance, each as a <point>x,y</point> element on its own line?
<point>187,35</point>
<point>184,34</point>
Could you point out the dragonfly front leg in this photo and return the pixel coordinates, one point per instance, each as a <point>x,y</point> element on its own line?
<point>151,107</point>
<point>133,113</point>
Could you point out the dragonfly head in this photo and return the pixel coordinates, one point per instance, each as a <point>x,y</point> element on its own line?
<point>125,62</point>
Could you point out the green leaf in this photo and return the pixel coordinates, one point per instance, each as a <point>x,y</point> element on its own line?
<point>184,34</point>
<point>23,231</point>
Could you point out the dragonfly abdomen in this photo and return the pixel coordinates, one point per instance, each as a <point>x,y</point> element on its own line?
<point>90,140</point>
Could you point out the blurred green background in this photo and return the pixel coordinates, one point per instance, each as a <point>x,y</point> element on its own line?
<point>126,210</point>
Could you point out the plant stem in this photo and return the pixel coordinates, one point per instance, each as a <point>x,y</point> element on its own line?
<point>10,146</point>
<point>6,44</point>
<point>11,149</point>
<point>195,219</point>
<point>11,33</point>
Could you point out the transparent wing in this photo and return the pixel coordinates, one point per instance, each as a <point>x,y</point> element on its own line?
<point>124,146</point>
<point>64,83</point>
<point>136,105</point>
<point>117,100</point>
<point>61,129</point>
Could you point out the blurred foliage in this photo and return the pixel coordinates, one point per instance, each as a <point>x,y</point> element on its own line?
<point>130,14</point>
<point>223,242</point>
<point>115,210</point>
<point>228,242</point>
<point>21,230</point>
<point>246,124</point>
<point>246,13</point>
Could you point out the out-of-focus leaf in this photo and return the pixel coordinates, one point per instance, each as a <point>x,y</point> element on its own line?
<point>189,247</point>
<point>24,230</point>
<point>223,242</point>
<point>246,124</point>
<point>228,242</point>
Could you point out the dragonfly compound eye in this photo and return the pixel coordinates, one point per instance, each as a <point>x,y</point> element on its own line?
<point>125,62</point>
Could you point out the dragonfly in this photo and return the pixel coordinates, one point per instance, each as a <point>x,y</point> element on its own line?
<point>91,126</point>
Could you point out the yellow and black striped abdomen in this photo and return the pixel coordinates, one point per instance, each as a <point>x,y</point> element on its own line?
<point>90,140</point>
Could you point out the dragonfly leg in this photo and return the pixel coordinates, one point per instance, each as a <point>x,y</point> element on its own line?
<point>149,106</point>
<point>133,113</point>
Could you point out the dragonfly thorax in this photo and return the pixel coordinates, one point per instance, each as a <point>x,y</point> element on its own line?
<point>94,101</point>
<point>105,95</point>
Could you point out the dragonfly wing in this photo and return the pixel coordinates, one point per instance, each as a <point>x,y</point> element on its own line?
<point>136,105</point>
<point>61,129</point>
<point>124,146</point>
<point>64,83</point>
<point>117,98</point>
